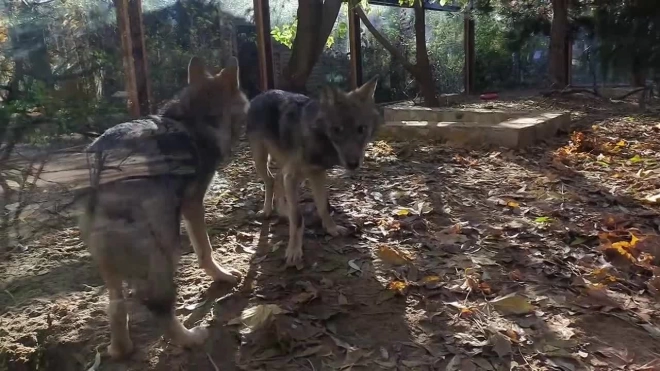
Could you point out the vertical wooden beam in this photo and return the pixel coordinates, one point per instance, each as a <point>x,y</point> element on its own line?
<point>569,62</point>
<point>264,47</point>
<point>139,51</point>
<point>355,44</point>
<point>468,46</point>
<point>134,56</point>
<point>124,29</point>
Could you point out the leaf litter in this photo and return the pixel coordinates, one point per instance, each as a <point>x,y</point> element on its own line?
<point>540,258</point>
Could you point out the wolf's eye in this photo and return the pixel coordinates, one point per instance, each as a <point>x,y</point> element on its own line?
<point>337,129</point>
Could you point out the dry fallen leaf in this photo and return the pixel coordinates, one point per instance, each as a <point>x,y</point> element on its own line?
<point>342,299</point>
<point>653,198</point>
<point>353,265</point>
<point>308,351</point>
<point>466,312</point>
<point>255,317</point>
<point>512,304</point>
<point>432,282</point>
<point>402,212</point>
<point>97,362</point>
<point>454,363</point>
<point>385,295</point>
<point>501,344</point>
<point>391,256</point>
<point>397,286</point>
<point>308,295</point>
<point>513,335</point>
<point>515,275</point>
<point>468,365</point>
<point>652,330</point>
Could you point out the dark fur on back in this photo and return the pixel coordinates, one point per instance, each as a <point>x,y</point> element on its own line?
<point>326,132</point>
<point>279,115</point>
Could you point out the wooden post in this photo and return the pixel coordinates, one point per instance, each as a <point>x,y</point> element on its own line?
<point>141,66</point>
<point>355,43</point>
<point>134,56</point>
<point>468,46</point>
<point>124,29</point>
<point>569,62</point>
<point>264,47</point>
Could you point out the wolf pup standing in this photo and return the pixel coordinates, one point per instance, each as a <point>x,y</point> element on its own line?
<point>306,137</point>
<point>163,165</point>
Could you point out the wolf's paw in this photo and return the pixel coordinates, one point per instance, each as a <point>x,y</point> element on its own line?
<point>293,255</point>
<point>194,337</point>
<point>337,230</point>
<point>220,274</point>
<point>119,350</point>
<point>264,214</point>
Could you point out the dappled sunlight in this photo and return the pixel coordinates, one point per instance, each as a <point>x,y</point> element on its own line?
<point>502,218</point>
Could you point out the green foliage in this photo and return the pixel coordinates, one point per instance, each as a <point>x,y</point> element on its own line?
<point>445,48</point>
<point>286,34</point>
<point>628,35</point>
<point>441,2</point>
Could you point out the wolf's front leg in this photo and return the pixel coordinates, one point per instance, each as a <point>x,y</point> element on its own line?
<point>319,191</point>
<point>193,217</point>
<point>280,196</point>
<point>294,251</point>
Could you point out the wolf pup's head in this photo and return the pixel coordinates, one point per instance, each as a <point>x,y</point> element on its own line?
<point>214,104</point>
<point>350,121</point>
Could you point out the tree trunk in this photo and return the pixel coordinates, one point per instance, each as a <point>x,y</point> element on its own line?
<point>423,67</point>
<point>638,72</point>
<point>316,18</point>
<point>558,44</point>
<point>38,57</point>
<point>420,72</point>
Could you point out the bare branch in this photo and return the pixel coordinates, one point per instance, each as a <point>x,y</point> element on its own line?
<point>624,96</point>
<point>396,54</point>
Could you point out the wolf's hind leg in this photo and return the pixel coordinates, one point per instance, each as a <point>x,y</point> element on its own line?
<point>193,217</point>
<point>120,340</point>
<point>182,336</point>
<point>260,157</point>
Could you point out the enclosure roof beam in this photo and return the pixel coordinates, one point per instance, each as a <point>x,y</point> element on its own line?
<point>428,5</point>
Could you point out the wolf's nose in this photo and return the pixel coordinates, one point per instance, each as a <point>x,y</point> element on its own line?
<point>352,165</point>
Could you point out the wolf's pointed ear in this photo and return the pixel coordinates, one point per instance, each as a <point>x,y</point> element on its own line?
<point>197,71</point>
<point>367,90</point>
<point>328,96</point>
<point>229,75</point>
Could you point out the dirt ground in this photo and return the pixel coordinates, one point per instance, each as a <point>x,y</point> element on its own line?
<point>538,259</point>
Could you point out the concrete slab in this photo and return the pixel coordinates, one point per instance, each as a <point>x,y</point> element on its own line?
<point>473,127</point>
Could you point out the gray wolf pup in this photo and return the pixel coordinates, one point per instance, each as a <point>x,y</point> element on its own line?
<point>306,137</point>
<point>161,168</point>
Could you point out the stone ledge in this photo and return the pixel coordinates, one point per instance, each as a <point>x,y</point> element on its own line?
<point>502,129</point>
